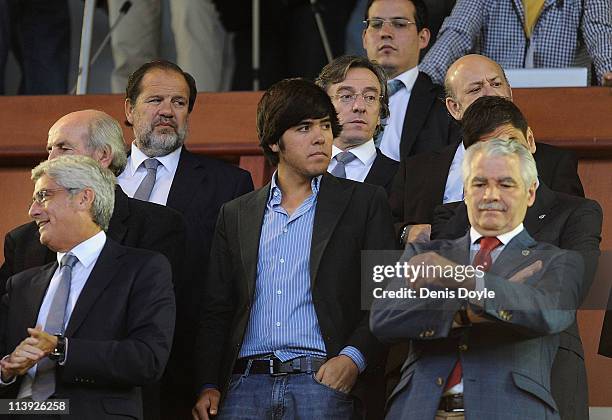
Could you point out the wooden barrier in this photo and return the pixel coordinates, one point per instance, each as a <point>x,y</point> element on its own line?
<point>223,125</point>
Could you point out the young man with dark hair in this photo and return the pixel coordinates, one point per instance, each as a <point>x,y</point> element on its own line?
<point>282,329</point>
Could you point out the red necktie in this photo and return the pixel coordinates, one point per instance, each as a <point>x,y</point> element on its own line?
<point>482,258</point>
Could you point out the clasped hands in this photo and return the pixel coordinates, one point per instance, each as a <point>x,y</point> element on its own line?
<point>29,352</point>
<point>339,373</point>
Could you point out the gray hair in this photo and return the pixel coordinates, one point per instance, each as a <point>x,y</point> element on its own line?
<point>502,148</point>
<point>75,173</point>
<point>104,131</point>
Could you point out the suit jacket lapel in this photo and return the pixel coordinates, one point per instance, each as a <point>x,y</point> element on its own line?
<point>251,211</point>
<point>332,199</point>
<point>104,271</point>
<point>421,99</point>
<point>514,256</point>
<point>188,173</point>
<point>458,251</point>
<point>117,227</point>
<point>382,171</point>
<point>536,216</point>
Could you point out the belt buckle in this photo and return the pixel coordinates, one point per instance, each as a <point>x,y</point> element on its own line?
<point>272,372</point>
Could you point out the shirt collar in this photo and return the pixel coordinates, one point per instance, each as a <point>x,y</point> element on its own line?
<point>87,251</point>
<point>169,161</point>
<point>408,77</point>
<point>504,238</point>
<point>276,194</point>
<point>365,152</point>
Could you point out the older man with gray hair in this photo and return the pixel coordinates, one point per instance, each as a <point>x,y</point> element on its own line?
<point>486,338</point>
<point>133,223</point>
<point>97,323</point>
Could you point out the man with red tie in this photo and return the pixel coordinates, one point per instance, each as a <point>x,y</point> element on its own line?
<point>484,312</point>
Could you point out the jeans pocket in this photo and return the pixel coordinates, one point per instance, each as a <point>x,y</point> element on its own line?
<point>330,389</point>
<point>235,381</point>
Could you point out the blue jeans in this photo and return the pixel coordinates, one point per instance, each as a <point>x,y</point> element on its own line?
<point>294,396</point>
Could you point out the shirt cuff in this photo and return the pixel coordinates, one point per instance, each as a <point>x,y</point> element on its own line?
<point>12,381</point>
<point>355,356</point>
<point>207,386</point>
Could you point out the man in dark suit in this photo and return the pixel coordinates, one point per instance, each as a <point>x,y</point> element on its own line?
<point>358,89</point>
<point>283,293</point>
<point>159,100</point>
<point>396,32</point>
<point>566,221</point>
<point>96,324</point>
<point>435,178</point>
<point>133,223</point>
<point>477,356</point>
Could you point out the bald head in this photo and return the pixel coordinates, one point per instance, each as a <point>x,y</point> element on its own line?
<point>89,133</point>
<point>471,77</point>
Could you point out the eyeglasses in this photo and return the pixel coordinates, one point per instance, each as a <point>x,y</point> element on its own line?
<point>41,196</point>
<point>349,98</point>
<point>395,23</point>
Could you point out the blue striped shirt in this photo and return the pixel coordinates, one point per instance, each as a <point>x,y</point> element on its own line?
<point>283,320</point>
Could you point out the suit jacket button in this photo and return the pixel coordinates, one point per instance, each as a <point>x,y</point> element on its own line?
<point>439,381</point>
<point>463,347</point>
<point>422,334</point>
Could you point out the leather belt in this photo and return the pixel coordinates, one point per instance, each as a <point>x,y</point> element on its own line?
<point>451,403</point>
<point>273,365</point>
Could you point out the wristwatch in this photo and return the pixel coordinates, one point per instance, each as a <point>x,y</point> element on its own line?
<point>59,352</point>
<point>404,234</point>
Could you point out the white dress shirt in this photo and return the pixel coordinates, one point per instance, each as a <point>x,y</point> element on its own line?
<point>87,253</point>
<point>134,173</point>
<point>453,191</point>
<point>357,169</point>
<point>392,136</point>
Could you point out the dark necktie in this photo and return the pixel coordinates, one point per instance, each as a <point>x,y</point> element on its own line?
<point>484,259</point>
<point>44,381</point>
<point>342,158</point>
<point>146,186</point>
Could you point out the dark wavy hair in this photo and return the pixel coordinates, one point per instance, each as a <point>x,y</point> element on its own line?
<point>287,103</point>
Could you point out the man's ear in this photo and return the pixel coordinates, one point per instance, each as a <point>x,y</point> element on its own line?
<point>532,194</point>
<point>86,198</point>
<point>424,37</point>
<point>129,109</point>
<point>104,156</point>
<point>453,107</point>
<point>531,140</point>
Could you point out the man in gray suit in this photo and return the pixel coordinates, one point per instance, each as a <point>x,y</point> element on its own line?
<point>484,335</point>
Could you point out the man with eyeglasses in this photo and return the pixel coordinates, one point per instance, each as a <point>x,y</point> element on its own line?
<point>96,324</point>
<point>394,35</point>
<point>358,90</point>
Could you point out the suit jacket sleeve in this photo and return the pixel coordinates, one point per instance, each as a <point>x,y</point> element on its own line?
<point>379,236</point>
<point>217,311</point>
<point>141,357</point>
<point>544,304</point>
<point>398,319</point>
<point>582,233</point>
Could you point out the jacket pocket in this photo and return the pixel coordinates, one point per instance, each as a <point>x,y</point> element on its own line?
<point>122,407</point>
<point>534,388</point>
